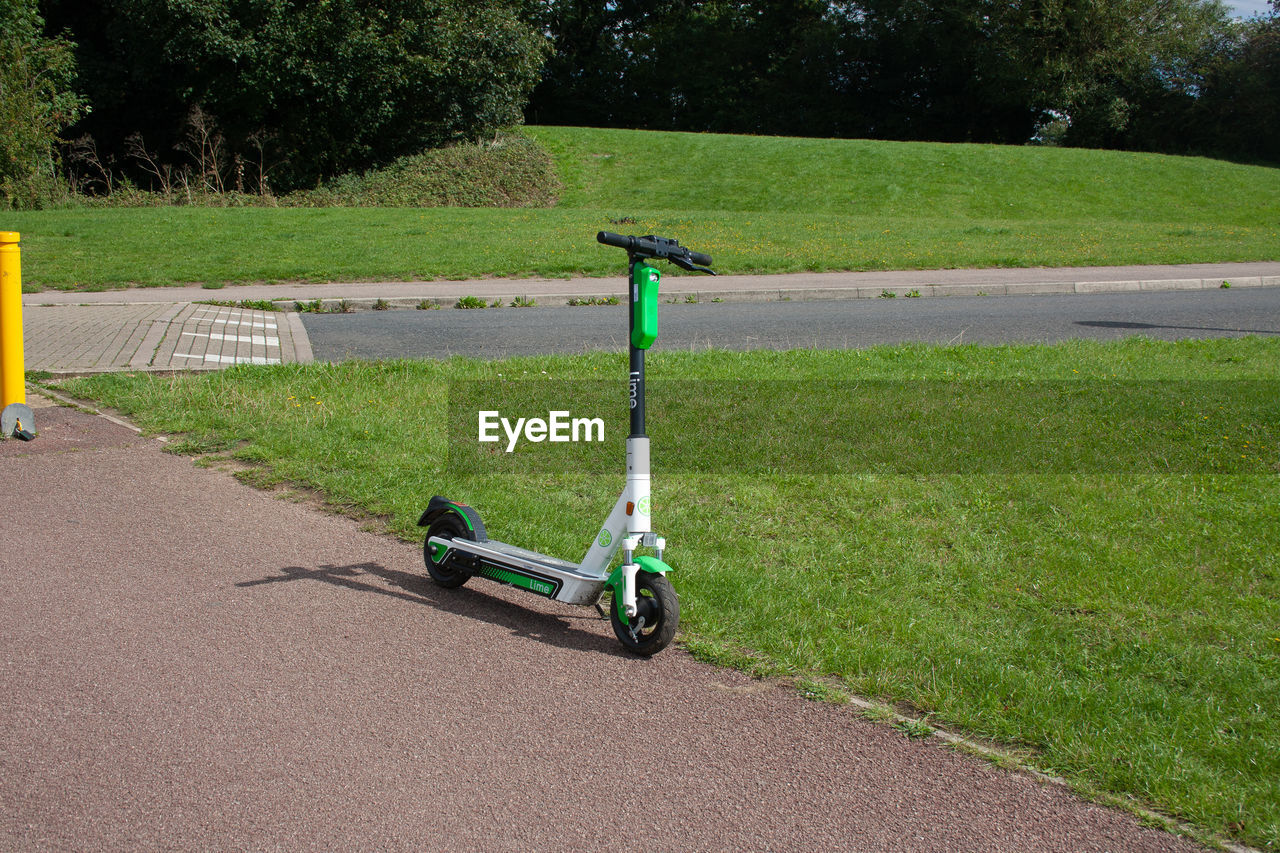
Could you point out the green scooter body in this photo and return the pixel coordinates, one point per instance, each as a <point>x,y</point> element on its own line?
<point>644,305</point>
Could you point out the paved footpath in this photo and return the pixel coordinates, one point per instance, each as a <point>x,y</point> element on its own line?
<point>157,336</point>
<point>163,328</point>
<point>189,664</point>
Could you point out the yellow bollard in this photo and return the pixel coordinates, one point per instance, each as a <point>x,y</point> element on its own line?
<point>13,386</point>
<point>16,420</point>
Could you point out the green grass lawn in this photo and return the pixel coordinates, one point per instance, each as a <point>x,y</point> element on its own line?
<point>758,204</point>
<point>1103,594</point>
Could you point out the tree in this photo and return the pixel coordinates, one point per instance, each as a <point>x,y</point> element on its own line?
<point>304,90</point>
<point>1110,63</point>
<point>948,70</point>
<point>1239,110</point>
<point>943,70</point>
<point>743,66</point>
<point>36,103</point>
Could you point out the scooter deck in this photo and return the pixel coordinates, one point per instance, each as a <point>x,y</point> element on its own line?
<point>540,574</point>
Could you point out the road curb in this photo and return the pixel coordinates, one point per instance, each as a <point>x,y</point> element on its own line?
<point>685,289</point>
<point>301,343</point>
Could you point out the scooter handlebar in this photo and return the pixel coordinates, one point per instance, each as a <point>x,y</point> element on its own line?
<point>654,247</point>
<point>611,239</point>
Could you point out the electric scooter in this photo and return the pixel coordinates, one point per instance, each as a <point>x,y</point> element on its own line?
<point>645,609</point>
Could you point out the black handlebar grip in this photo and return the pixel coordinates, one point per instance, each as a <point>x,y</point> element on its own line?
<point>700,259</point>
<point>611,239</point>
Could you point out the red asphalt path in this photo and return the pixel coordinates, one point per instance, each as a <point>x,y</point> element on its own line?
<point>189,664</point>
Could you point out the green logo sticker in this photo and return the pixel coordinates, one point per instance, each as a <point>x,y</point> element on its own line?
<point>604,539</point>
<point>643,505</point>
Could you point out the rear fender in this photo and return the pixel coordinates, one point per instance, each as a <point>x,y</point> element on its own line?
<point>439,506</point>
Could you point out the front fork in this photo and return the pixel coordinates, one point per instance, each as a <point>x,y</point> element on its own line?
<point>625,575</point>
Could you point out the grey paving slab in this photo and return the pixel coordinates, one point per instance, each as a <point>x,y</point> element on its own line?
<point>211,337</point>
<point>155,336</point>
<point>69,337</point>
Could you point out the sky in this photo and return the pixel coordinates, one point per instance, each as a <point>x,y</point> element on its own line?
<point>1247,8</point>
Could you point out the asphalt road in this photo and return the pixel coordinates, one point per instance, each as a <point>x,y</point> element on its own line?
<point>852,323</point>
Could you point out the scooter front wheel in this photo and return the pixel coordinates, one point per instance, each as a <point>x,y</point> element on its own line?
<point>658,607</point>
<point>447,526</point>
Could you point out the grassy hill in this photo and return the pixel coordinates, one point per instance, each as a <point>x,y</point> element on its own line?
<point>857,178</point>
<point>758,204</point>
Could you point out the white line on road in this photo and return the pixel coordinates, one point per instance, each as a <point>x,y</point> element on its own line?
<point>258,324</point>
<point>261,340</point>
<point>228,359</point>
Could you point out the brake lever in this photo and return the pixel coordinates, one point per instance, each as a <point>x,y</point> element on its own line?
<point>686,264</point>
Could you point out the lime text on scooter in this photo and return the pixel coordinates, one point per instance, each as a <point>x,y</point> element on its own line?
<point>558,426</point>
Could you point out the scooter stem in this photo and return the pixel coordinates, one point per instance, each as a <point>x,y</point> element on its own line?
<point>636,376</point>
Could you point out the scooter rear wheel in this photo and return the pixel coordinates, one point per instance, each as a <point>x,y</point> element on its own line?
<point>655,601</point>
<point>447,526</point>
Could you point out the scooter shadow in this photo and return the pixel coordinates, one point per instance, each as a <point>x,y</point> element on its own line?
<point>549,628</point>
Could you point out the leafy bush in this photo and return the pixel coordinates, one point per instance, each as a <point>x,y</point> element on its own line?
<point>293,93</point>
<point>510,171</point>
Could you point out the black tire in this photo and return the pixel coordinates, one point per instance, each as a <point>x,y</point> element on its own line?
<point>657,603</point>
<point>449,526</point>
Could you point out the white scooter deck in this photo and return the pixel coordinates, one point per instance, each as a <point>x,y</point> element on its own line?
<point>538,573</point>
